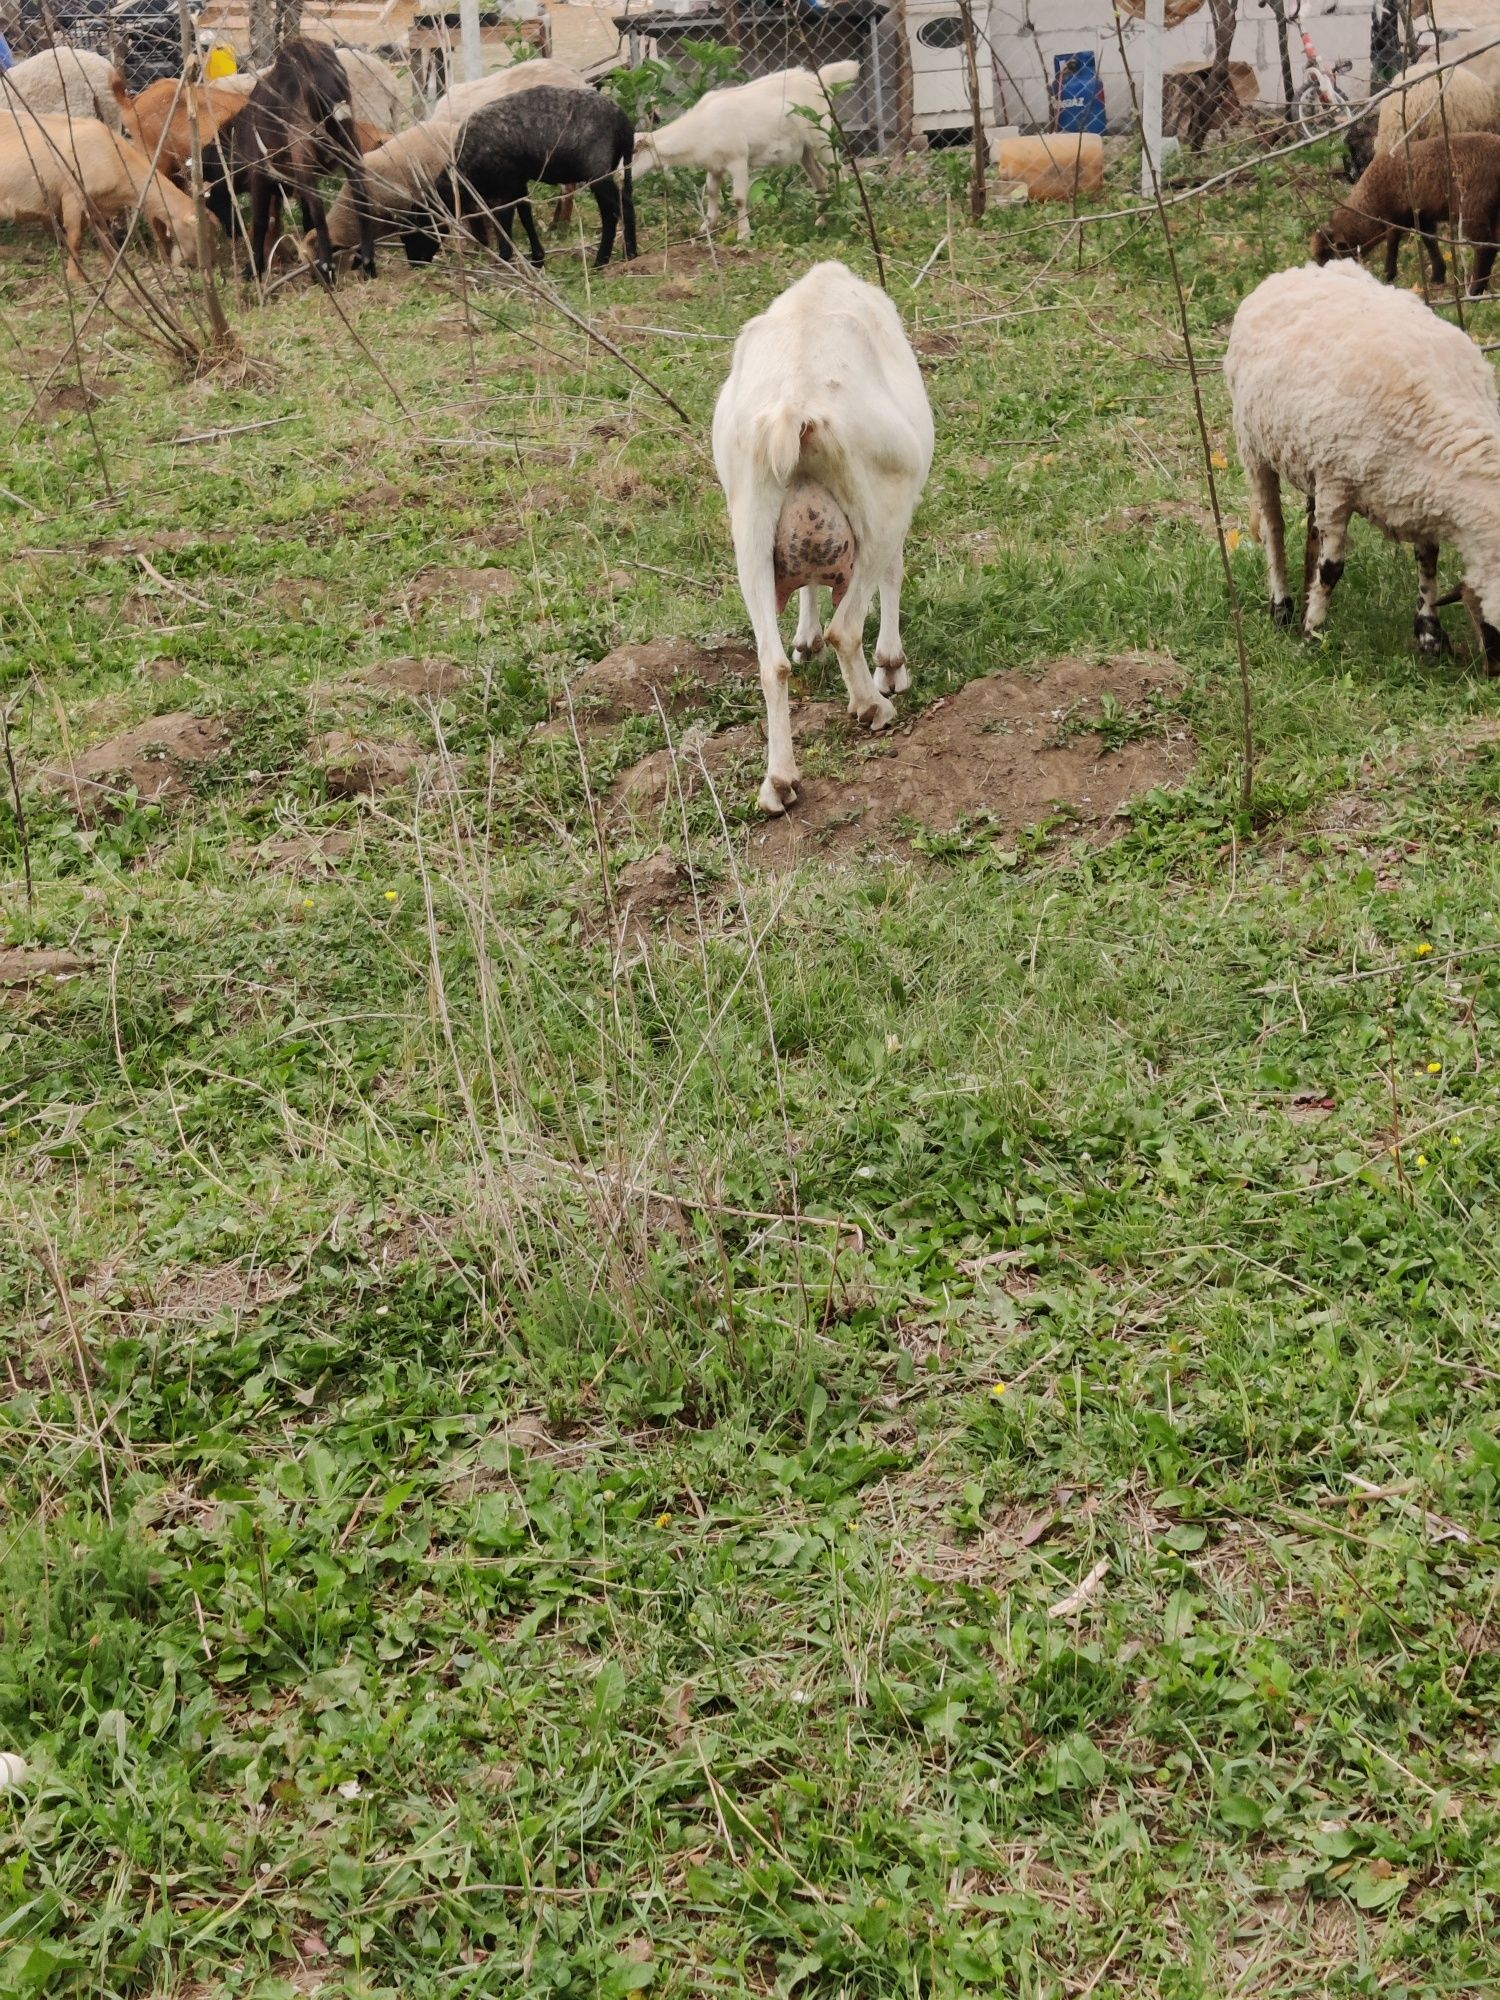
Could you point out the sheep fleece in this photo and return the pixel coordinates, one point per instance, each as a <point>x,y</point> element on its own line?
<point>1338,380</point>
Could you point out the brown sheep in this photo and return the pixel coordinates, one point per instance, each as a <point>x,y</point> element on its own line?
<point>159,118</point>
<point>61,172</point>
<point>1418,187</point>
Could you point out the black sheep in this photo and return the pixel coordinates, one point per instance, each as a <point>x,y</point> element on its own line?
<point>560,136</point>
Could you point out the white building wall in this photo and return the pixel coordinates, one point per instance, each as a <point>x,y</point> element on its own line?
<point>1026,34</point>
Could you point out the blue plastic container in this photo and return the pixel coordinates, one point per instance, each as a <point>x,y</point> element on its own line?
<point>1078,93</point>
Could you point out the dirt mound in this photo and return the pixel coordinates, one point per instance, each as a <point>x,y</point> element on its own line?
<point>633,680</point>
<point>423,680</point>
<point>358,767</point>
<point>156,760</point>
<point>1012,747</point>
<point>23,965</point>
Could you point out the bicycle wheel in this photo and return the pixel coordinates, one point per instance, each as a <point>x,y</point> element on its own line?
<point>1320,108</point>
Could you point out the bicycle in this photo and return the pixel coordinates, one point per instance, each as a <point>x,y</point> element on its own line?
<point>1321,103</point>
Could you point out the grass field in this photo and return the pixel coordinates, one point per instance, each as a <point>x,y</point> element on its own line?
<point>923,1424</point>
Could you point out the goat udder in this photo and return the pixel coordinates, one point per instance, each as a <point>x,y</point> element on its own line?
<point>814,543</point>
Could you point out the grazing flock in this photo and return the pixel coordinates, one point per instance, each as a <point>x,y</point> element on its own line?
<point>1354,393</point>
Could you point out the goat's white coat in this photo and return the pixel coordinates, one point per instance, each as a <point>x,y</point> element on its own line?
<point>1361,397</point>
<point>63,82</point>
<point>738,131</point>
<point>824,387</point>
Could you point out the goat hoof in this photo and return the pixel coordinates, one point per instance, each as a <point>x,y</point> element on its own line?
<point>804,650</point>
<point>776,794</point>
<point>877,715</point>
<point>1283,612</point>
<point>891,676</point>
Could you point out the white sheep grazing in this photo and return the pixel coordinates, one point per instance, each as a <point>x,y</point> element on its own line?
<point>1363,399</point>
<point>738,131</point>
<point>64,82</point>
<point>540,73</point>
<point>823,440</point>
<point>1425,103</point>
<point>400,176</point>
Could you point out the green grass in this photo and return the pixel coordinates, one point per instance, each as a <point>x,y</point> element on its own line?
<point>507,1483</point>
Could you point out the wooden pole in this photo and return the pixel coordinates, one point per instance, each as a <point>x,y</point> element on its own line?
<point>468,28</point>
<point>1151,154</point>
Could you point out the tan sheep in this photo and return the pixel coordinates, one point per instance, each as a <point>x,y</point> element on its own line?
<point>59,173</point>
<point>399,177</point>
<point>1427,103</point>
<point>540,73</point>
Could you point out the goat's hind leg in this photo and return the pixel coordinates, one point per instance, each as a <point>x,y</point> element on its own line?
<point>846,635</point>
<point>809,635</point>
<point>754,524</point>
<point>891,675</point>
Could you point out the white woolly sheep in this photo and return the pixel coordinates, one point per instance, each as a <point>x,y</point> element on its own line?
<point>738,131</point>
<point>823,440</point>
<point>540,73</point>
<point>1363,399</point>
<point>63,82</point>
<point>1427,103</point>
<point>59,172</point>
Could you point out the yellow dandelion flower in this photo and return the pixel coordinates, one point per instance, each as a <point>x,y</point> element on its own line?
<point>997,1390</point>
<point>1424,951</point>
<point>1421,1159</point>
<point>664,1520</point>
<point>1455,1140</point>
<point>307,902</point>
<point>1434,1069</point>
<point>390,895</point>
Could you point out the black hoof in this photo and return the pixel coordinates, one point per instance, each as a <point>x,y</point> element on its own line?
<point>1430,636</point>
<point>1283,612</point>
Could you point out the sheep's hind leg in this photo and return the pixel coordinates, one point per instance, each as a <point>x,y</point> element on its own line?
<point>809,634</point>
<point>1329,520</point>
<point>1265,495</point>
<point>891,676</point>
<point>1428,627</point>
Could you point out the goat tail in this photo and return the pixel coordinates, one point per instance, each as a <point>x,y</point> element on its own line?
<point>778,438</point>
<point>839,72</point>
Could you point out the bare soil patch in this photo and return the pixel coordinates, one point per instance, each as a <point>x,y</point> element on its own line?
<point>670,675</point>
<point>359,767</point>
<point>424,680</point>
<point>477,587</point>
<point>1011,747</point>
<point>25,965</point>
<point>161,541</point>
<point>298,853</point>
<point>156,760</point>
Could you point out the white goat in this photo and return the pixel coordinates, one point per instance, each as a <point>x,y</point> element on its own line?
<point>1366,401</point>
<point>747,127</point>
<point>63,82</point>
<point>823,440</point>
<point>539,73</point>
